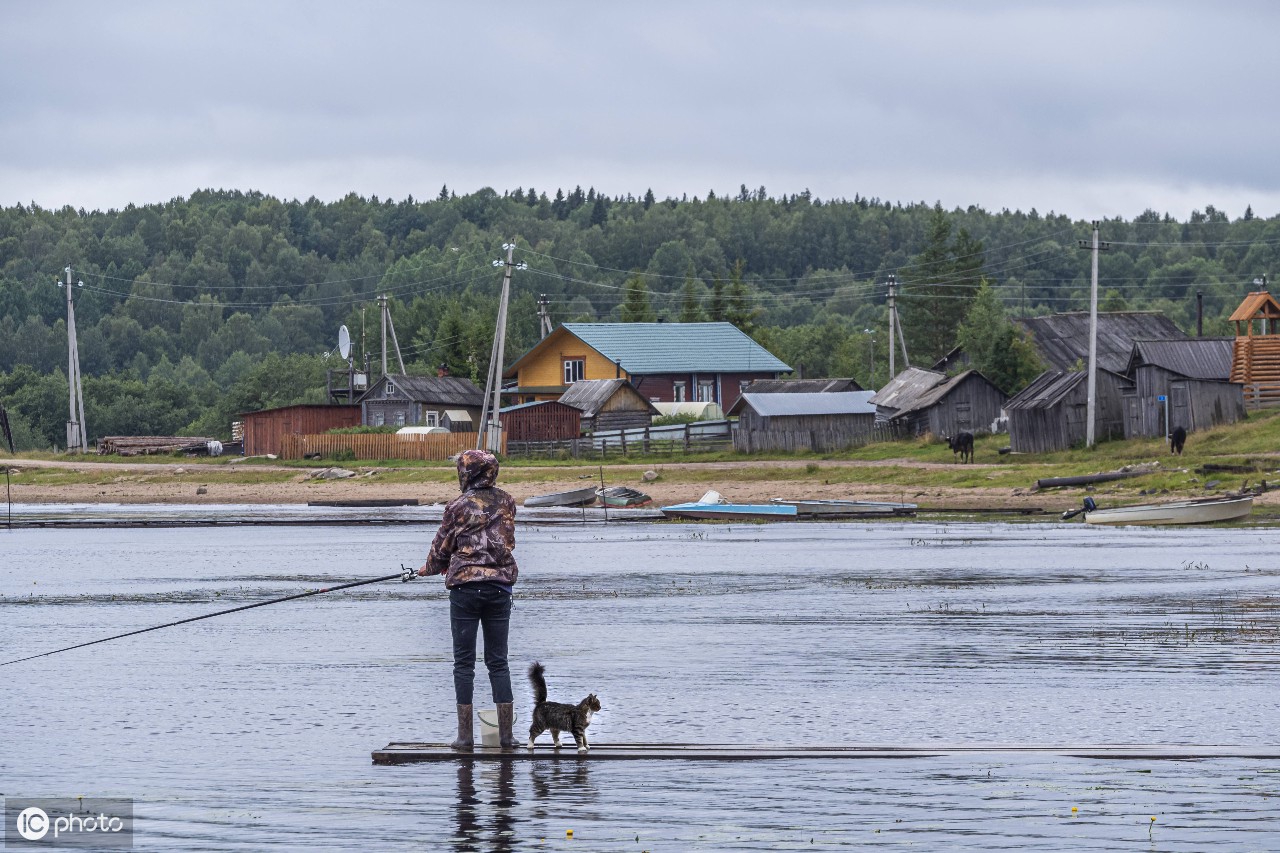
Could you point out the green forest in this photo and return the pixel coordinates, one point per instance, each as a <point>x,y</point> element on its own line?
<point>192,310</point>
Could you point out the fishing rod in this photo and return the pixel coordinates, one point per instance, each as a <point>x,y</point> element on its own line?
<point>8,437</point>
<point>404,576</point>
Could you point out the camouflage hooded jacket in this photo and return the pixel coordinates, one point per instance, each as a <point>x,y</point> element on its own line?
<point>477,533</point>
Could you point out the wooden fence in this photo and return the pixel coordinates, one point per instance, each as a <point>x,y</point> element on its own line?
<point>699,437</point>
<point>816,440</point>
<point>436,447</point>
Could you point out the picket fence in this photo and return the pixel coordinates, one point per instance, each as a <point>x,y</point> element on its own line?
<point>438,447</point>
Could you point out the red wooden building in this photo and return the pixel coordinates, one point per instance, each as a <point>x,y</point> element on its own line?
<point>544,421</point>
<point>262,430</point>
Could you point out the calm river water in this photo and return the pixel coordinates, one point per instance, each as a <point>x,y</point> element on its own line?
<point>253,731</point>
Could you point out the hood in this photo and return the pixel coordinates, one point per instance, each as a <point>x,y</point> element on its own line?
<point>477,469</point>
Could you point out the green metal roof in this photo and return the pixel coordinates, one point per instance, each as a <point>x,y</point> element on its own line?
<point>645,348</point>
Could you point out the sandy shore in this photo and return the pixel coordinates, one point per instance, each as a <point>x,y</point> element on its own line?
<point>161,482</point>
<point>152,482</point>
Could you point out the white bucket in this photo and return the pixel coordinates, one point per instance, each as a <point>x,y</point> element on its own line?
<point>489,726</point>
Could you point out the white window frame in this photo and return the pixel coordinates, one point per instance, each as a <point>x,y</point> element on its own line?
<point>575,369</point>
<point>402,417</point>
<point>679,392</point>
<point>379,419</point>
<point>432,418</point>
<point>709,387</point>
<point>389,390</point>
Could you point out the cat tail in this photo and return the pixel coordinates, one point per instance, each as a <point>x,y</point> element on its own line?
<point>539,683</point>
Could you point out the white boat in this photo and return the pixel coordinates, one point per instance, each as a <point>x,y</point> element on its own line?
<point>817,506</point>
<point>713,506</point>
<point>574,497</point>
<point>1199,511</point>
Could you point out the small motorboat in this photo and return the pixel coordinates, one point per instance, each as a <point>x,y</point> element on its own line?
<point>622,496</point>
<point>1195,511</point>
<point>574,497</point>
<point>820,507</point>
<point>713,506</point>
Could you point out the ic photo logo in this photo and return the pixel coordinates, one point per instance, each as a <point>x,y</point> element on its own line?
<point>33,823</point>
<point>69,822</point>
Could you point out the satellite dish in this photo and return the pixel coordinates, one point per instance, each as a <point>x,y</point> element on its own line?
<point>344,342</point>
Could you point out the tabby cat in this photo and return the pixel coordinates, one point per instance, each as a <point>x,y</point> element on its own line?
<point>559,716</point>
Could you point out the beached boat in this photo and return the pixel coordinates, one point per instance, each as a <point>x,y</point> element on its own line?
<point>622,496</point>
<point>1199,511</point>
<point>713,506</point>
<point>574,497</point>
<point>839,507</point>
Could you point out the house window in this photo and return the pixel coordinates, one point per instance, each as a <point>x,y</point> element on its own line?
<point>389,390</point>
<point>573,370</point>
<point>678,393</point>
<point>706,391</point>
<point>400,418</point>
<point>433,419</point>
<point>379,419</point>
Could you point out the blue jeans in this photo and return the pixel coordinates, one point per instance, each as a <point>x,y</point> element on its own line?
<point>471,607</point>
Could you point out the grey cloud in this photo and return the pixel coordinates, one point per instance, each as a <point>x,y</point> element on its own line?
<point>996,104</point>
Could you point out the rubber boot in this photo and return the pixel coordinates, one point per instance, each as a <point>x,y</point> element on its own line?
<point>506,719</point>
<point>466,740</point>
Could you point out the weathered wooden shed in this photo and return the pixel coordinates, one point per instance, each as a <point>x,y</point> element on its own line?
<point>547,420</point>
<point>804,421</point>
<point>1255,362</point>
<point>1052,412</point>
<point>609,404</point>
<point>263,429</point>
<point>1062,340</point>
<point>801,386</point>
<point>923,401</point>
<point>1192,374</point>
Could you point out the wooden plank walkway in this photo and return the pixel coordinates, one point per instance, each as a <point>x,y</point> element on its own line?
<point>410,752</point>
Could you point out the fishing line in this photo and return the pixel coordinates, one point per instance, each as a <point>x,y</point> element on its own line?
<point>404,575</point>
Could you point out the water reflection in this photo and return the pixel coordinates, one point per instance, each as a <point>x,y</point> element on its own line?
<point>496,779</point>
<point>555,782</point>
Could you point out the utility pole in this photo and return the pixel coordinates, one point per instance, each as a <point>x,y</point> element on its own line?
<point>544,319</point>
<point>384,302</point>
<point>893,320</point>
<point>1090,412</point>
<point>77,436</point>
<point>382,309</point>
<point>490,422</point>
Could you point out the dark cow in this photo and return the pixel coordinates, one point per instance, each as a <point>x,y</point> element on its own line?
<point>962,444</point>
<point>1177,439</point>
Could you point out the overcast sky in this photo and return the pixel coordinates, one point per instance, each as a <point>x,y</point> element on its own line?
<point>1090,109</point>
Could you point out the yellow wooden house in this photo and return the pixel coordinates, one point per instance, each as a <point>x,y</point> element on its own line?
<point>666,362</point>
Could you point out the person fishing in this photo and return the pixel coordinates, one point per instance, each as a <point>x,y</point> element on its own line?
<point>472,549</point>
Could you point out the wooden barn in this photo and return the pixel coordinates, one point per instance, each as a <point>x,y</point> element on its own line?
<point>924,401</point>
<point>1255,361</point>
<point>399,400</point>
<point>1062,340</point>
<point>547,420</point>
<point>263,430</point>
<point>1052,412</point>
<point>1192,375</point>
<point>609,404</point>
<point>804,421</point>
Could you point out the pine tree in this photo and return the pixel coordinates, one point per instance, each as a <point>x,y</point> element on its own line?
<point>738,308</point>
<point>996,348</point>
<point>635,303</point>
<point>937,288</point>
<point>690,310</point>
<point>648,199</point>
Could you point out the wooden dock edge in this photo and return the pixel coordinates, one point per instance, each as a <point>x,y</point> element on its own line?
<point>409,752</point>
